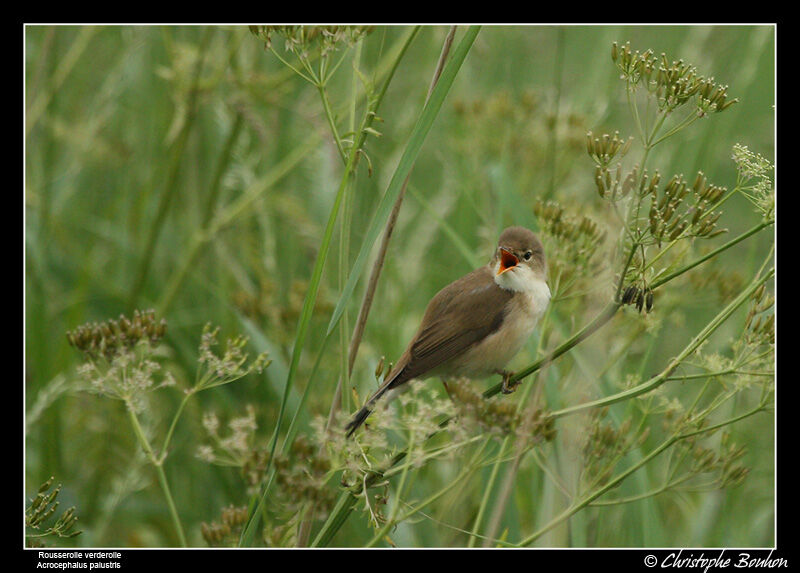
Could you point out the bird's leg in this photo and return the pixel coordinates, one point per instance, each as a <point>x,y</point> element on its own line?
<point>508,386</point>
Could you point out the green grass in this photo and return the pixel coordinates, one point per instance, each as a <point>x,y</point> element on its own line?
<point>188,170</point>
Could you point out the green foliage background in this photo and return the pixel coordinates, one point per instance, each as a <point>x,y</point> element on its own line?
<point>106,112</point>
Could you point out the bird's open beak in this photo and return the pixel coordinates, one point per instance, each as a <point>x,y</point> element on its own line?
<point>507,260</point>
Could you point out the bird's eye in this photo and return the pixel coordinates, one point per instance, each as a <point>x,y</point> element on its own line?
<point>527,255</point>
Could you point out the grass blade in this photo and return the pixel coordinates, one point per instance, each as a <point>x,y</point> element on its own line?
<point>316,277</point>
<point>415,142</point>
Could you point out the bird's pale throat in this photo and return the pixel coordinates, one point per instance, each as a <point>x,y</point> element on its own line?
<point>507,260</point>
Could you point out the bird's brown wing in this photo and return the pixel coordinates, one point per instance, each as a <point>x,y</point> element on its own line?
<point>461,314</point>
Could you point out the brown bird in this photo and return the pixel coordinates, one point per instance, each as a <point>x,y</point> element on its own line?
<point>474,326</point>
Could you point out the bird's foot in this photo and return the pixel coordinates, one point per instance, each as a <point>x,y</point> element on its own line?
<point>508,386</point>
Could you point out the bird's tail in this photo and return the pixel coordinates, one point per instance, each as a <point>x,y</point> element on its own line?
<point>358,419</point>
<point>360,416</point>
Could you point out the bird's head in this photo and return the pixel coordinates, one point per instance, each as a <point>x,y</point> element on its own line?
<point>519,259</point>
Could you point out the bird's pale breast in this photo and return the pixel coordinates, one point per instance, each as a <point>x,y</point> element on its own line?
<point>496,350</point>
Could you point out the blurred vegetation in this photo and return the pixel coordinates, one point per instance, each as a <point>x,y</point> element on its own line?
<point>190,171</point>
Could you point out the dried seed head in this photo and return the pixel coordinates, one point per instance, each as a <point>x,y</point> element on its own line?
<point>654,224</point>
<point>671,83</point>
<point>107,339</point>
<point>654,182</point>
<point>379,367</point>
<point>46,485</point>
<point>630,181</point>
<point>681,191</point>
<point>699,182</point>
<point>667,212</point>
<point>759,293</point>
<point>677,231</point>
<point>605,148</point>
<point>628,295</point>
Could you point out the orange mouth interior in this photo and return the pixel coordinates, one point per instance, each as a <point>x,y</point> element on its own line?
<point>507,260</point>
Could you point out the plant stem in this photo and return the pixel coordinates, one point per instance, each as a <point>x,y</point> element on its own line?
<point>588,499</point>
<point>651,263</point>
<point>331,121</point>
<point>347,499</point>
<point>624,272</point>
<point>660,378</point>
<point>629,92</point>
<point>170,188</point>
<point>395,469</point>
<point>339,514</point>
<point>225,217</point>
<point>344,252</point>
<point>606,314</point>
<point>487,492</point>
<point>657,283</point>
<point>507,485</point>
<point>325,246</point>
<point>693,116</point>
<point>222,165</point>
<point>611,308</point>
<point>410,153</point>
<point>162,477</point>
<point>467,471</point>
<point>248,531</point>
<point>65,66</point>
<point>552,136</point>
<point>290,66</point>
<point>377,266</point>
<point>580,504</point>
<point>174,423</point>
<point>398,496</point>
